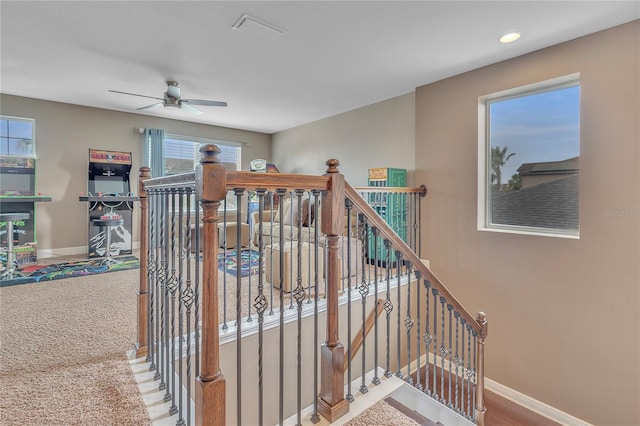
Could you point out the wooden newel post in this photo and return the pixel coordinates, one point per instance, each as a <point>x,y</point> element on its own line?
<point>211,188</point>
<point>142,345</point>
<point>332,404</point>
<point>480,408</point>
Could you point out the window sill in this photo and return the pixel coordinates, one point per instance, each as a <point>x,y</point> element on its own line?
<point>532,232</point>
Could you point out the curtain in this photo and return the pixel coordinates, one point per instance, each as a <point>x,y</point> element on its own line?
<point>154,151</point>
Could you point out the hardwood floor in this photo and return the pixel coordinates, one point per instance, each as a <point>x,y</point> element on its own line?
<point>500,411</point>
<point>503,412</point>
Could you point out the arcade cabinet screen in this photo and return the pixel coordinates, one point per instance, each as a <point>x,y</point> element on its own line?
<point>17,184</point>
<point>109,185</point>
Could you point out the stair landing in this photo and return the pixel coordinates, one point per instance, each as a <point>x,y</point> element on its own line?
<point>394,388</point>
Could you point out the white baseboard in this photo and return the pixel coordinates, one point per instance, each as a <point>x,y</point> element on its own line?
<point>516,397</point>
<point>533,404</point>
<point>72,251</point>
<point>64,251</point>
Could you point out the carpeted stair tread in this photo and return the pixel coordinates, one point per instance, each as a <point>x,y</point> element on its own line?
<point>390,412</point>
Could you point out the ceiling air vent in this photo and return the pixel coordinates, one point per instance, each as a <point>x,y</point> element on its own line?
<point>257,27</point>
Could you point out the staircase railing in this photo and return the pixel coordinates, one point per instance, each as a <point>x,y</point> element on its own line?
<point>179,326</point>
<point>451,369</point>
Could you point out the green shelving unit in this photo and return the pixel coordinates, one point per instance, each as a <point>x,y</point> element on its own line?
<point>392,207</point>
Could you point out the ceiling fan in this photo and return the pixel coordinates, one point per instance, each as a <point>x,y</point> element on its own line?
<point>172,99</point>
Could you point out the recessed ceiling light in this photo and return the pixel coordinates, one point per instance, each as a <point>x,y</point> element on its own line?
<point>510,37</point>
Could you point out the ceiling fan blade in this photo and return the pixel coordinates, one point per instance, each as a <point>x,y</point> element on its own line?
<point>185,106</point>
<point>135,94</point>
<point>205,103</point>
<point>150,106</point>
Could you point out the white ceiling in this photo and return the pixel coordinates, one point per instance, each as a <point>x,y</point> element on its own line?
<point>334,56</point>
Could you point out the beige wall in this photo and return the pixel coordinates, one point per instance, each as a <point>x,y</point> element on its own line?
<point>64,134</point>
<point>563,313</point>
<point>378,135</point>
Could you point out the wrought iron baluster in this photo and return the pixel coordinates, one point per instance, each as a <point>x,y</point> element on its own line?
<point>315,417</point>
<point>418,331</point>
<point>474,375</point>
<point>376,238</point>
<point>172,285</point>
<point>180,289</point>
<point>427,338</point>
<point>166,308</point>
<point>469,371</point>
<point>281,193</point>
<point>308,215</point>
<point>408,322</point>
<point>291,277</point>
<point>162,285</point>
<point>238,193</point>
<point>260,304</point>
<point>364,292</point>
<point>349,397</point>
<point>443,354</point>
<point>187,301</point>
<point>450,309</point>
<point>463,323</point>
<point>388,306</point>
<point>456,362</point>
<point>299,295</point>
<point>158,287</point>
<point>261,243</point>
<point>399,358</point>
<point>434,292</point>
<point>151,356</point>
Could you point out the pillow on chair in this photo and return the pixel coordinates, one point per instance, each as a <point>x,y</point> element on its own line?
<point>291,215</point>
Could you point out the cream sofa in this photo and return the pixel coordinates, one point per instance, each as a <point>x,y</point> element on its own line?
<point>294,229</point>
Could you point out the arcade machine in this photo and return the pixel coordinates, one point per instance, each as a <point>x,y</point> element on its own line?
<point>18,195</point>
<point>109,197</point>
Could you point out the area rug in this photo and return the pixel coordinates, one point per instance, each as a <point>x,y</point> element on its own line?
<point>41,273</point>
<point>249,262</point>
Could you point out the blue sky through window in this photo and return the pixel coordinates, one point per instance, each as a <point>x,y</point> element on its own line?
<point>536,127</point>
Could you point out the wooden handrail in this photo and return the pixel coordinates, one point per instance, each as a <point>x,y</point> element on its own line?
<point>387,233</point>
<point>246,180</point>
<point>273,181</point>
<point>368,325</point>
<point>422,190</point>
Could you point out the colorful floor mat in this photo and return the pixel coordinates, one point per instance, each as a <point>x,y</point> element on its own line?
<point>249,262</point>
<point>40,273</point>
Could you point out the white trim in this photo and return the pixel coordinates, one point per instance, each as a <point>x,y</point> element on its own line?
<point>533,404</point>
<point>484,157</point>
<point>514,396</point>
<point>72,251</point>
<point>63,251</point>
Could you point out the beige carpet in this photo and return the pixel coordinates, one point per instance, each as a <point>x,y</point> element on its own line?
<point>63,346</point>
<point>381,414</point>
<point>62,352</point>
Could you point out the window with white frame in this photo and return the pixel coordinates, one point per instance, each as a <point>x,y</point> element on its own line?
<point>17,136</point>
<point>528,159</point>
<point>182,155</point>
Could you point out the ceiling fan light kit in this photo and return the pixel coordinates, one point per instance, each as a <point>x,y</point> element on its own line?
<point>173,99</point>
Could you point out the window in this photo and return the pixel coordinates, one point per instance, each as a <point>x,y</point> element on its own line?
<point>17,136</point>
<point>182,155</point>
<point>528,159</point>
